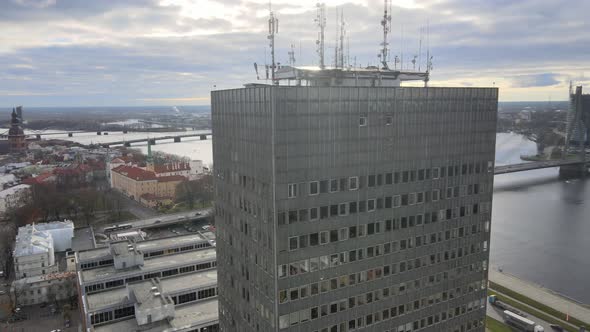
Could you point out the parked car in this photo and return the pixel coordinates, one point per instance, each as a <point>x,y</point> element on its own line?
<point>2,292</point>
<point>556,327</point>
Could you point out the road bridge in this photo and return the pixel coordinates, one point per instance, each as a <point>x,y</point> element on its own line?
<point>152,140</point>
<point>521,167</point>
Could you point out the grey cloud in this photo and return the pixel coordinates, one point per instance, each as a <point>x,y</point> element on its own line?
<point>539,80</point>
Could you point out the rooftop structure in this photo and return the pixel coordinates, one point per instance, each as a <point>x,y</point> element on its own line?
<point>32,241</point>
<point>369,77</point>
<point>165,284</point>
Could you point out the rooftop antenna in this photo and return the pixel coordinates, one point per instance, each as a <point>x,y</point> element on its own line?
<point>292,56</point>
<point>342,33</point>
<point>401,67</point>
<point>321,22</point>
<point>420,49</point>
<point>336,43</point>
<point>347,51</point>
<point>273,28</point>
<point>428,57</point>
<point>386,24</point>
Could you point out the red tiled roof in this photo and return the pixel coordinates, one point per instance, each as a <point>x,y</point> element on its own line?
<point>165,168</point>
<point>135,173</point>
<point>38,179</point>
<point>171,178</point>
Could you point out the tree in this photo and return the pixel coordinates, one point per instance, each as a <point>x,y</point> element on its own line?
<point>6,240</point>
<point>200,190</point>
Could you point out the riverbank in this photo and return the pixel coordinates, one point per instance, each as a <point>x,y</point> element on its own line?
<point>542,298</point>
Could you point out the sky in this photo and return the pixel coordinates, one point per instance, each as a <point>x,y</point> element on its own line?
<point>174,52</point>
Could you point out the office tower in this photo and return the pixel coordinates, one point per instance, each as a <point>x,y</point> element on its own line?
<point>350,203</point>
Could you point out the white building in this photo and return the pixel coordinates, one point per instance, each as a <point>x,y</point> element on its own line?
<point>33,253</point>
<point>61,232</point>
<point>38,277</point>
<point>14,197</point>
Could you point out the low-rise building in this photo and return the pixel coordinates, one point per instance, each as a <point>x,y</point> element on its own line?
<point>39,276</point>
<point>135,182</point>
<point>34,254</point>
<point>46,288</point>
<point>166,284</point>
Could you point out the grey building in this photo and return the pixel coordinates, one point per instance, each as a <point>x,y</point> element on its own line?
<point>349,205</point>
<point>163,284</point>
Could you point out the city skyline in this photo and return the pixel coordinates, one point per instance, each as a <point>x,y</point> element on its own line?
<point>173,52</point>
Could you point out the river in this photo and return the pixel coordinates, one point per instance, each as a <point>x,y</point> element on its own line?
<point>540,224</point>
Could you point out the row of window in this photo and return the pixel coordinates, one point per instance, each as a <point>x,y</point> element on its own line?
<point>102,317</point>
<point>384,271</point>
<point>375,180</point>
<point>373,204</point>
<point>105,262</point>
<point>333,260</point>
<point>372,228</point>
<point>305,315</point>
<point>177,250</point>
<point>160,274</point>
<point>90,265</point>
<point>194,296</point>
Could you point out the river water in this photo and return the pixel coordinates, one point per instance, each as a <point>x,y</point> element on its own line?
<point>540,224</point>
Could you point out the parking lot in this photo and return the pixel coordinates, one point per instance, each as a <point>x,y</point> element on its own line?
<point>180,228</point>
<point>38,319</point>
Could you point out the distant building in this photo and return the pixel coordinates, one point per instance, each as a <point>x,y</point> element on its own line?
<point>14,198</point>
<point>136,183</point>
<point>16,136</point>
<point>578,120</point>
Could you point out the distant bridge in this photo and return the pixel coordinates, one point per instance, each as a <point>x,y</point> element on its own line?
<point>39,134</point>
<point>569,164</point>
<point>152,141</point>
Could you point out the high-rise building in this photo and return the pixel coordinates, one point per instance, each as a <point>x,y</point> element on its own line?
<point>347,203</point>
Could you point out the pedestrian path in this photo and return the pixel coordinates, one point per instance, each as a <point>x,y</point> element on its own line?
<point>541,295</point>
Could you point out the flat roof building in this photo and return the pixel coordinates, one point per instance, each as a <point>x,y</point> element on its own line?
<point>353,205</point>
<point>166,284</point>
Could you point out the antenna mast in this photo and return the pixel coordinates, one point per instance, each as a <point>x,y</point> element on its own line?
<point>273,28</point>
<point>336,41</point>
<point>321,22</point>
<point>386,24</point>
<point>342,33</point>
<point>292,56</point>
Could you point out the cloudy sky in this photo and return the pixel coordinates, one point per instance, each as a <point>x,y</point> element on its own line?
<point>173,52</point>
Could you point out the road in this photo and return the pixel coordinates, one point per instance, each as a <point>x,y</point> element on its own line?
<point>497,314</point>
<point>540,294</point>
<point>163,219</point>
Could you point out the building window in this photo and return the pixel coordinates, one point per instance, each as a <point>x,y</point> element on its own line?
<point>292,190</point>
<point>333,185</point>
<point>353,183</point>
<point>362,121</point>
<point>371,205</point>
<point>314,187</point>
<point>388,120</point>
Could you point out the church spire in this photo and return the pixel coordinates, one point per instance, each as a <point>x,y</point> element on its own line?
<point>150,159</point>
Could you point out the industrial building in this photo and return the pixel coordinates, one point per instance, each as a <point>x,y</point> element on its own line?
<point>163,284</point>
